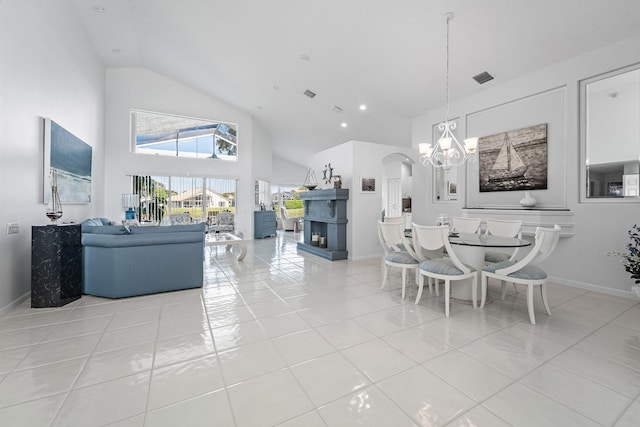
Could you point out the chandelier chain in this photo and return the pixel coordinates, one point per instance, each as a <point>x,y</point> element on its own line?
<point>447,71</point>
<point>447,150</point>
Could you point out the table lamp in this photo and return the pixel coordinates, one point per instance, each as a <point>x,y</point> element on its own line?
<point>130,203</point>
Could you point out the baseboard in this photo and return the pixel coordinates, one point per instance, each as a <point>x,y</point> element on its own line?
<point>364,257</point>
<point>14,303</point>
<point>591,287</point>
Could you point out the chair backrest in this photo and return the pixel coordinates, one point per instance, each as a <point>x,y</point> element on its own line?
<point>546,242</point>
<point>504,228</point>
<point>283,212</point>
<point>550,238</point>
<point>394,219</point>
<point>390,234</point>
<point>225,218</point>
<point>466,225</point>
<point>433,239</point>
<point>180,218</point>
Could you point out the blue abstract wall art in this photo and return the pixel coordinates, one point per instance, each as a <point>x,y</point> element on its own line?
<point>70,157</point>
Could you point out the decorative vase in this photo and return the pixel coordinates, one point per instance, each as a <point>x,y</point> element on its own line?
<point>54,207</point>
<point>528,201</point>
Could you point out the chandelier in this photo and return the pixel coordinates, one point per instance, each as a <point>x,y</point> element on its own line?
<point>448,151</point>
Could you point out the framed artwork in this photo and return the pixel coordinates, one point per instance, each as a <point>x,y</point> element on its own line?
<point>452,189</point>
<point>514,160</point>
<point>70,157</point>
<point>368,185</point>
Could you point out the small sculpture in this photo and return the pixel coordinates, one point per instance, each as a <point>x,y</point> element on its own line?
<point>327,173</point>
<point>54,208</point>
<point>310,181</point>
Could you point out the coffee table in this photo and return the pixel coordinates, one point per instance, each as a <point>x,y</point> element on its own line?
<point>228,240</point>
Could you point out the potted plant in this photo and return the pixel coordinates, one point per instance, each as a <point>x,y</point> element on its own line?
<point>631,259</point>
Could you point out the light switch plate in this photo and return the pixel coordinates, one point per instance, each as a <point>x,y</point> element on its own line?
<point>13,227</point>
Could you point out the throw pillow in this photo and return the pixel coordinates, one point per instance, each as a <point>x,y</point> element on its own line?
<point>95,222</point>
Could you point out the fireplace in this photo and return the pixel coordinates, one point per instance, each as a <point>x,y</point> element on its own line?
<point>325,219</point>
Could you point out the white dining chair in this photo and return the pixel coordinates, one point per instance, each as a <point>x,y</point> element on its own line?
<point>398,251</point>
<point>466,225</point>
<point>503,228</point>
<point>430,238</point>
<point>525,271</point>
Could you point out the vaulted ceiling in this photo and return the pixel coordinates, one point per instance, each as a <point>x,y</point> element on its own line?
<point>262,55</point>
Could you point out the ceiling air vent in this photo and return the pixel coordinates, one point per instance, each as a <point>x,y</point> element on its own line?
<point>336,109</point>
<point>309,94</point>
<point>483,77</point>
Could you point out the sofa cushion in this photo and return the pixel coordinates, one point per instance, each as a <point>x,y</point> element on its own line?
<point>103,229</point>
<point>154,229</point>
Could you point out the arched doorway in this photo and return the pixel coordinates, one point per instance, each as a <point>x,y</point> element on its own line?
<point>397,186</point>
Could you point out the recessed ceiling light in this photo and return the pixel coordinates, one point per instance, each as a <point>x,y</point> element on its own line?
<point>363,107</point>
<point>309,94</point>
<point>98,8</point>
<point>343,124</point>
<point>276,87</point>
<point>116,50</point>
<point>305,58</point>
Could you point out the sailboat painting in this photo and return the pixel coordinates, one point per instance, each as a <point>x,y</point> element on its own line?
<point>514,160</point>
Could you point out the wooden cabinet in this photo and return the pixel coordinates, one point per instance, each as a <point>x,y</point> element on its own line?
<point>56,265</point>
<point>264,224</point>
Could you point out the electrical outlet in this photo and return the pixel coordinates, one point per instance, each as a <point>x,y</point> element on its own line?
<point>13,227</point>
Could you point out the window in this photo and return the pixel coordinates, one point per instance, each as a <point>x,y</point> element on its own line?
<point>610,135</point>
<point>168,135</point>
<point>201,198</point>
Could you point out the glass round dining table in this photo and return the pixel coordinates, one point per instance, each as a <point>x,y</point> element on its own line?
<point>470,249</point>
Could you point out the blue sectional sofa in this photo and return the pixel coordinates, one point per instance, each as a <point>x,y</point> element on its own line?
<point>123,261</point>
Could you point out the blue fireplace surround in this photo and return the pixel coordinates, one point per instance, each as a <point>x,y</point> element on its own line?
<point>325,213</point>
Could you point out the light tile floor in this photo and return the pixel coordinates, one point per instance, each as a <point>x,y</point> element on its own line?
<point>288,339</point>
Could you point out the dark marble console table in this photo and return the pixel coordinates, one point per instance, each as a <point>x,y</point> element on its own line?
<point>325,214</point>
<point>56,265</point>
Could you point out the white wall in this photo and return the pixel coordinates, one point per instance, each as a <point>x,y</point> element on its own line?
<point>599,228</point>
<point>48,70</point>
<point>262,157</point>
<point>287,173</point>
<point>139,88</point>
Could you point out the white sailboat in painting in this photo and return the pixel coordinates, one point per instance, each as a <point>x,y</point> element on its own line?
<point>508,164</point>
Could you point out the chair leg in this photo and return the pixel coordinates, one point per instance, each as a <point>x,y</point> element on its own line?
<point>474,291</point>
<point>532,315</point>
<point>446,297</point>
<point>420,286</point>
<point>404,281</point>
<point>543,292</point>
<point>483,290</point>
<point>430,281</point>
<point>515,288</point>
<point>386,275</point>
<point>503,289</point>
<point>437,285</point>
